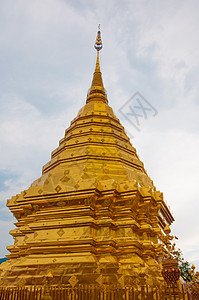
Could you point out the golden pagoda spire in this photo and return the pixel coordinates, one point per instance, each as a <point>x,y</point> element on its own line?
<point>97,90</point>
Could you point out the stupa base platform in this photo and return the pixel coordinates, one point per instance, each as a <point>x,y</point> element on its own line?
<point>104,237</point>
<point>72,274</point>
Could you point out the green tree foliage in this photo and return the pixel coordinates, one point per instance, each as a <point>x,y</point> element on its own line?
<point>187,271</point>
<point>184,266</point>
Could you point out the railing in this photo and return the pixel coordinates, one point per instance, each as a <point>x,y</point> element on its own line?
<point>98,293</point>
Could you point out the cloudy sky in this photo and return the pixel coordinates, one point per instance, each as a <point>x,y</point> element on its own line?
<point>46,64</point>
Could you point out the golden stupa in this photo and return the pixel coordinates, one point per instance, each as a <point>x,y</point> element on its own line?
<point>94,216</point>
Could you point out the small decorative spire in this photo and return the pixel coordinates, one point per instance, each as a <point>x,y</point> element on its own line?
<point>98,43</point>
<point>97,90</point>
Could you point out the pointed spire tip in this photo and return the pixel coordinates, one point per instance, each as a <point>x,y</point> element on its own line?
<point>98,42</point>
